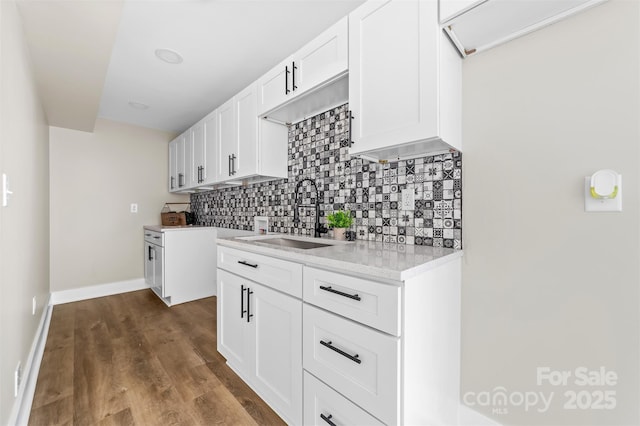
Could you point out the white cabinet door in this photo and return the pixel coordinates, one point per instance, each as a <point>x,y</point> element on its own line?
<point>260,335</point>
<point>149,270</point>
<point>401,90</point>
<point>189,171</point>
<point>234,332</point>
<point>246,150</point>
<point>278,343</point>
<point>199,159</point>
<point>225,116</point>
<point>181,148</point>
<point>158,270</point>
<point>275,86</point>
<point>210,148</point>
<point>173,165</point>
<point>323,58</point>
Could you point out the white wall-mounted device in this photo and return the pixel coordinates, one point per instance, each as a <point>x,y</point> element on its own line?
<point>603,192</point>
<point>261,224</point>
<point>5,190</point>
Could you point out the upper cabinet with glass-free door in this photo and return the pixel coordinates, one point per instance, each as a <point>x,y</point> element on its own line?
<point>404,81</point>
<point>250,149</point>
<point>322,60</point>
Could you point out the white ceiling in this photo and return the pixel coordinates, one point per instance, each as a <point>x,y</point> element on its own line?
<point>70,43</point>
<point>226,44</point>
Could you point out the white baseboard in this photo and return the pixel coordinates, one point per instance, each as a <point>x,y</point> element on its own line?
<point>22,406</point>
<point>84,293</point>
<point>469,417</point>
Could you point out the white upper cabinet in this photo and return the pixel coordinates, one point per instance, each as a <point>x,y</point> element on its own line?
<point>198,157</point>
<point>210,126</point>
<point>173,165</point>
<point>479,25</point>
<point>228,143</point>
<point>404,81</point>
<point>250,149</point>
<point>246,115</point>
<point>182,176</point>
<point>322,61</point>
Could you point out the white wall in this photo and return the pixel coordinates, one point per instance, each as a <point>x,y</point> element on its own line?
<point>94,179</point>
<point>544,283</point>
<point>24,224</point>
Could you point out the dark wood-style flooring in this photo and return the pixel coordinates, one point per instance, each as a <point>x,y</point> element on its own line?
<point>128,359</point>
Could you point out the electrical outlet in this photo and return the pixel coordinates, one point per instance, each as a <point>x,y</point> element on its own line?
<point>34,305</point>
<point>17,378</point>
<point>408,199</point>
<point>134,208</point>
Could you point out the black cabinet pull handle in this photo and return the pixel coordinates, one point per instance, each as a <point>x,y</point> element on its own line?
<point>353,358</point>
<point>249,314</point>
<point>286,80</point>
<point>229,165</point>
<point>350,127</point>
<point>244,262</point>
<point>293,76</point>
<point>233,164</point>
<point>180,180</point>
<point>242,311</point>
<point>149,255</point>
<point>173,180</point>
<point>327,419</point>
<point>350,296</point>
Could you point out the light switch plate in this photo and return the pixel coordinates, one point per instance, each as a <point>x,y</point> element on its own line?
<point>594,205</point>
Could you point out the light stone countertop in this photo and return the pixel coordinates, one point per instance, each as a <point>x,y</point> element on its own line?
<point>221,232</point>
<point>395,262</point>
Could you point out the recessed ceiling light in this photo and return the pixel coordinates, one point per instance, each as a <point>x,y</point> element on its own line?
<point>169,56</point>
<point>138,105</point>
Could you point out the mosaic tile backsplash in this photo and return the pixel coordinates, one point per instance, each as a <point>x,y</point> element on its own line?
<point>318,149</point>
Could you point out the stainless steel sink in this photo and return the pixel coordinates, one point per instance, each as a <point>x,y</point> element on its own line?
<point>286,242</point>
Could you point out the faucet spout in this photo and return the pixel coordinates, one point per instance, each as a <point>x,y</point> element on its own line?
<point>319,229</point>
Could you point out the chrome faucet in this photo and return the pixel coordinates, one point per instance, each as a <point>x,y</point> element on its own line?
<point>319,229</point>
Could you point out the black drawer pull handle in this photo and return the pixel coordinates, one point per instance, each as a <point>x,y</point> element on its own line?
<point>350,296</point>
<point>327,419</point>
<point>244,262</point>
<point>353,358</point>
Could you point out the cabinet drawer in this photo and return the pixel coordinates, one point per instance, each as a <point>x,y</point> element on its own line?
<point>368,302</point>
<point>154,237</point>
<point>358,362</point>
<point>275,273</point>
<point>320,400</point>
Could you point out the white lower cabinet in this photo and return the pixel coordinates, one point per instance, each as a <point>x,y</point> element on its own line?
<point>323,405</point>
<point>260,335</point>
<point>360,363</point>
<point>370,351</point>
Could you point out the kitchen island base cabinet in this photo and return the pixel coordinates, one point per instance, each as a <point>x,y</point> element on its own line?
<point>178,265</point>
<point>260,335</point>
